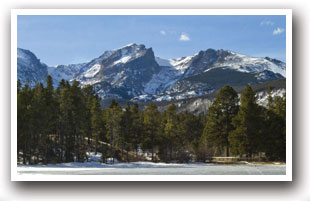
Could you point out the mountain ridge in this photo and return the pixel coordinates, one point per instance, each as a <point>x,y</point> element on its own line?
<point>133,72</point>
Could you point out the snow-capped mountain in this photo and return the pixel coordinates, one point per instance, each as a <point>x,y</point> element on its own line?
<point>207,71</point>
<point>29,68</point>
<point>210,59</point>
<point>133,72</point>
<point>200,104</point>
<point>66,72</point>
<point>121,73</point>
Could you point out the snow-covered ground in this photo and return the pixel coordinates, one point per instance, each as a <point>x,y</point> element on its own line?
<point>95,167</point>
<point>148,168</point>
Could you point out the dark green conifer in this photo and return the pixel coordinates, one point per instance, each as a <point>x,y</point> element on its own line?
<point>247,136</point>
<point>219,118</point>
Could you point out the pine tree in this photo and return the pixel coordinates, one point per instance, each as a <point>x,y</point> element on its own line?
<point>247,136</point>
<point>66,119</point>
<point>113,119</point>
<point>52,124</point>
<point>50,118</point>
<point>136,127</point>
<point>88,92</point>
<point>96,121</point>
<point>105,149</point>
<point>280,111</point>
<point>60,123</point>
<point>219,118</point>
<point>275,132</point>
<point>24,101</point>
<point>190,129</point>
<point>39,139</point>
<point>151,126</point>
<point>79,121</point>
<point>60,87</point>
<point>126,131</point>
<point>170,129</point>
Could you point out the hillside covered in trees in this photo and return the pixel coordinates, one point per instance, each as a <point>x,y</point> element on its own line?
<point>62,124</point>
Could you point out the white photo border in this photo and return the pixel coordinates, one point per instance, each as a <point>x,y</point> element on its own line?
<point>16,177</point>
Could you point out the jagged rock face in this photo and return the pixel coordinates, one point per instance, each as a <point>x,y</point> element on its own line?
<point>123,72</point>
<point>204,60</point>
<point>134,73</point>
<point>29,68</point>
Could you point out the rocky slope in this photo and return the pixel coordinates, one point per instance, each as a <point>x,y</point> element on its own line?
<point>29,68</point>
<point>133,72</point>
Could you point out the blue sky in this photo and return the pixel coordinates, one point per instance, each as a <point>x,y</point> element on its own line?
<point>75,39</point>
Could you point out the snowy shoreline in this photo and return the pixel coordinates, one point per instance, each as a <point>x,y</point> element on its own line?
<point>95,167</point>
<point>140,164</point>
<point>149,168</point>
<point>95,162</point>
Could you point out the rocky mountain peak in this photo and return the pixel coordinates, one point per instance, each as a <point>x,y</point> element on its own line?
<point>132,72</point>
<point>29,68</point>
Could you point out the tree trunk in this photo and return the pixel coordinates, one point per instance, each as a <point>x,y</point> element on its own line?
<point>227,151</point>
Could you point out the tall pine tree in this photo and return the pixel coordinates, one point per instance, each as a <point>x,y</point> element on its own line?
<point>247,136</point>
<point>96,121</point>
<point>113,120</point>
<point>219,118</point>
<point>275,128</point>
<point>170,130</point>
<point>126,131</point>
<point>136,127</point>
<point>151,127</point>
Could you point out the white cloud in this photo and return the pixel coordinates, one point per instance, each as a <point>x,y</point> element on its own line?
<point>267,23</point>
<point>278,31</point>
<point>163,32</point>
<point>184,37</point>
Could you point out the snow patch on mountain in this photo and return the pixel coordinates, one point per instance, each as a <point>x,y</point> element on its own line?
<point>128,53</point>
<point>262,97</point>
<point>268,75</point>
<point>92,71</point>
<point>162,81</point>
<point>200,105</point>
<point>128,45</point>
<point>123,60</point>
<point>182,64</point>
<point>244,63</point>
<point>119,78</point>
<point>66,72</point>
<point>89,82</point>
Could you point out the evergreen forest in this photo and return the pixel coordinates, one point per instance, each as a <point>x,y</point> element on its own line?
<point>56,125</point>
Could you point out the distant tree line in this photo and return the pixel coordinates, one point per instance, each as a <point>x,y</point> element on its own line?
<point>62,124</point>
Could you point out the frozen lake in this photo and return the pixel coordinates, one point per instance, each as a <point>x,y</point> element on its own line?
<point>149,168</point>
